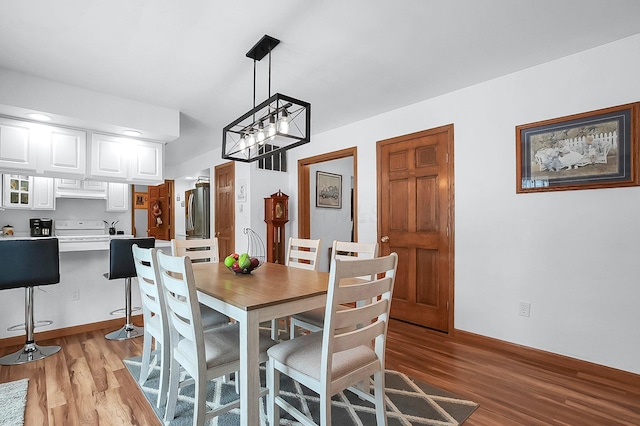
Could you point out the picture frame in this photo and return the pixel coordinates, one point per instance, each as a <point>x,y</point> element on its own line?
<point>590,150</point>
<point>141,200</point>
<point>241,197</point>
<point>328,190</point>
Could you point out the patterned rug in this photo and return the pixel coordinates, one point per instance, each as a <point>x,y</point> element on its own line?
<point>409,402</point>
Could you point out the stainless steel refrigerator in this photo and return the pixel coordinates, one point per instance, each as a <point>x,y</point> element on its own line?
<point>197,212</point>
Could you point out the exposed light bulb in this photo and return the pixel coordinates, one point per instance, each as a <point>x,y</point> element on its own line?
<point>271,131</point>
<point>284,122</point>
<point>251,140</point>
<point>243,144</point>
<point>260,135</point>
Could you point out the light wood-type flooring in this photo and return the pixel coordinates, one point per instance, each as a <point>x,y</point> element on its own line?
<point>86,383</point>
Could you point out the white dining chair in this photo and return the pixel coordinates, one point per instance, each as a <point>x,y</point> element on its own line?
<point>342,355</point>
<point>198,250</point>
<point>155,319</point>
<point>203,354</point>
<point>313,320</point>
<point>303,254</point>
<point>156,329</point>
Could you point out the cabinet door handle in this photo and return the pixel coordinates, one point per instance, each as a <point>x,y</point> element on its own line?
<point>385,239</point>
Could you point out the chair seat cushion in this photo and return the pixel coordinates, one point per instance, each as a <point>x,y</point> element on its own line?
<point>222,345</point>
<point>211,317</point>
<point>304,355</point>
<point>314,316</point>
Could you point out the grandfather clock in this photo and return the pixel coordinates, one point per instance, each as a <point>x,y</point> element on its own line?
<point>276,214</point>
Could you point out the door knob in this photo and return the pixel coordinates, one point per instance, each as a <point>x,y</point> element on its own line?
<point>385,239</point>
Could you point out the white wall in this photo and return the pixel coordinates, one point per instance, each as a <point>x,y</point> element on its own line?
<point>326,223</point>
<point>571,254</point>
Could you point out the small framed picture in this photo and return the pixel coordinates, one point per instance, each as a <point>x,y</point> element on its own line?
<point>328,190</point>
<point>242,191</point>
<point>141,200</point>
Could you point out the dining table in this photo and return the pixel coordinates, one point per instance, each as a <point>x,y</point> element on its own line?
<point>271,291</point>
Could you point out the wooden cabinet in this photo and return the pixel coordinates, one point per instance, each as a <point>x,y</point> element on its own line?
<point>126,159</point>
<point>18,150</point>
<point>118,197</point>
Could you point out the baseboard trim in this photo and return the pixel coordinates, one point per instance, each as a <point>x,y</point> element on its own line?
<point>68,331</point>
<point>543,357</point>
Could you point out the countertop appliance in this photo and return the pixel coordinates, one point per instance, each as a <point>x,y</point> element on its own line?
<point>41,227</point>
<point>197,212</point>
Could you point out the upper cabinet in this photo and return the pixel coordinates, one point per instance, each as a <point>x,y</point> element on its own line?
<point>28,192</point>
<point>74,188</point>
<point>65,151</point>
<point>123,159</point>
<point>42,150</point>
<point>18,150</point>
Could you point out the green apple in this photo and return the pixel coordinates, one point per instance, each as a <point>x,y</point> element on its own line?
<point>228,261</point>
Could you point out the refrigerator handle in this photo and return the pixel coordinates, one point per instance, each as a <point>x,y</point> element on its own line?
<point>190,213</point>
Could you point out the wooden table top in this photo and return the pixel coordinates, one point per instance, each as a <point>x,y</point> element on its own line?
<point>270,284</point>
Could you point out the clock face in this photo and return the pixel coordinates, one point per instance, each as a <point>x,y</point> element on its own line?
<point>279,211</point>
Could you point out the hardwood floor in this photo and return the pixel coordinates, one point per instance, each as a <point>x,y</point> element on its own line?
<point>87,384</point>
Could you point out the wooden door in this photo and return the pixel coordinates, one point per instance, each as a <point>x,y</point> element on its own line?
<point>225,208</point>
<point>415,220</point>
<point>160,212</point>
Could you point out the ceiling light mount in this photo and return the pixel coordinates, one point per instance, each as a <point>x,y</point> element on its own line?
<point>277,124</point>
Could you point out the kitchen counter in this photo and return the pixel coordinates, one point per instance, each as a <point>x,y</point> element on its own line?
<point>83,296</point>
<point>95,243</point>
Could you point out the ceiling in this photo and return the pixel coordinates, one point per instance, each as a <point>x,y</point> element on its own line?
<point>351,59</point>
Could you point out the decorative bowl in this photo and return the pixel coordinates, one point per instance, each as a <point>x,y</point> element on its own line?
<point>249,264</point>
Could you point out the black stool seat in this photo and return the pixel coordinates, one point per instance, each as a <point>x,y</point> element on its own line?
<point>121,265</point>
<point>29,263</point>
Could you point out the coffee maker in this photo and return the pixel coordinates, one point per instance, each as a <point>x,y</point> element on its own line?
<point>41,227</point>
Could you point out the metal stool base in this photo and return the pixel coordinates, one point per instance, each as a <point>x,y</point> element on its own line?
<point>30,352</point>
<point>129,331</point>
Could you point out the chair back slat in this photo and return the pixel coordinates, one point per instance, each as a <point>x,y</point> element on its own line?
<point>359,337</point>
<point>198,250</point>
<point>303,253</point>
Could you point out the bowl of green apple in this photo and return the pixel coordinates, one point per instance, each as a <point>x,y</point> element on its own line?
<point>242,263</point>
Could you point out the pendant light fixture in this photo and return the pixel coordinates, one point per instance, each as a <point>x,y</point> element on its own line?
<point>277,124</point>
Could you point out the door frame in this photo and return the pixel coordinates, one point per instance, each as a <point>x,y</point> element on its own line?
<point>450,205</point>
<point>304,183</point>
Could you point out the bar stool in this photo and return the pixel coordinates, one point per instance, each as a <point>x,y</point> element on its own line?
<point>18,260</point>
<point>121,265</point>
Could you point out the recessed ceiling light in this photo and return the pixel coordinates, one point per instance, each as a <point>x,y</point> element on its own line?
<point>39,117</point>
<point>131,133</point>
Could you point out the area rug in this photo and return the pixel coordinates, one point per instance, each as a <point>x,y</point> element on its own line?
<point>409,402</point>
<point>13,399</point>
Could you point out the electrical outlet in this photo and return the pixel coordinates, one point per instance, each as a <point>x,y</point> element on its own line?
<point>524,309</point>
<point>75,294</point>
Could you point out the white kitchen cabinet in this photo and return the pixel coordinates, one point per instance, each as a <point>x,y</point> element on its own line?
<point>18,149</point>
<point>28,192</point>
<point>109,157</point>
<point>43,194</point>
<point>147,162</point>
<point>75,188</point>
<point>118,197</point>
<point>64,151</point>
<point>125,159</point>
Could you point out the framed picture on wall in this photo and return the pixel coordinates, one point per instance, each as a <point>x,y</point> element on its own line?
<point>596,149</point>
<point>141,200</point>
<point>328,190</point>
